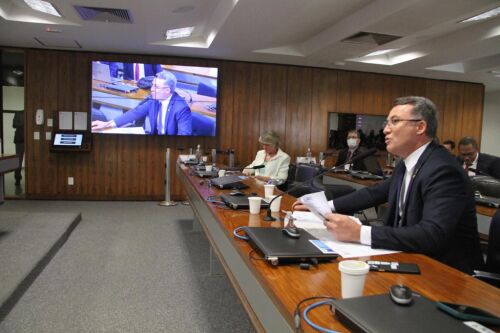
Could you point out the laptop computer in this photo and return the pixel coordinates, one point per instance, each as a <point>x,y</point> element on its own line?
<point>101,72</point>
<point>488,201</point>
<point>205,174</point>
<point>380,314</point>
<point>232,181</point>
<point>280,249</point>
<point>124,88</point>
<point>365,175</point>
<point>240,202</point>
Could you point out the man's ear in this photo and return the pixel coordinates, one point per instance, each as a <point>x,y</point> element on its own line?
<point>421,127</point>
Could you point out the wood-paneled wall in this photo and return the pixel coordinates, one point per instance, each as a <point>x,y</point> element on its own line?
<point>294,101</point>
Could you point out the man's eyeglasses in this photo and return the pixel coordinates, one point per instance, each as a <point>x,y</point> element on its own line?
<point>395,121</point>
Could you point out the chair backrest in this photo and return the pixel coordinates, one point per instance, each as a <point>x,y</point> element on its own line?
<point>292,168</point>
<point>203,125</point>
<point>305,172</point>
<point>493,252</point>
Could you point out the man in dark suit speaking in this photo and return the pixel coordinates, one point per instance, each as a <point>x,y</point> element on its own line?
<point>431,208</point>
<point>163,113</point>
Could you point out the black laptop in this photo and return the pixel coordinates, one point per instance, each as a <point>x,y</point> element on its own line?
<point>205,174</point>
<point>232,181</point>
<point>379,314</point>
<point>239,202</point>
<point>488,201</point>
<point>278,249</point>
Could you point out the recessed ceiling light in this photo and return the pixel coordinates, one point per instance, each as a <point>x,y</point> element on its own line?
<point>43,6</point>
<point>483,16</point>
<point>178,33</point>
<point>376,53</point>
<point>496,72</point>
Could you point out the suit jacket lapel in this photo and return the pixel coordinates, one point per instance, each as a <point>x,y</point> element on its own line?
<point>421,161</point>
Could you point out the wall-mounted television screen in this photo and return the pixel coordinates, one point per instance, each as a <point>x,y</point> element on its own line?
<point>153,99</point>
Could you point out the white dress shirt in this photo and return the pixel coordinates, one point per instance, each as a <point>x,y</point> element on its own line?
<point>473,166</point>
<point>276,167</point>
<point>163,115</point>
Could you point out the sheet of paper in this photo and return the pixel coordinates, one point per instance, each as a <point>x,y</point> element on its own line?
<point>314,225</point>
<point>81,121</point>
<point>317,203</point>
<point>65,120</point>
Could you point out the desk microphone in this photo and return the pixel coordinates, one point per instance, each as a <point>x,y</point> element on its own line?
<point>357,158</point>
<point>255,167</point>
<point>482,173</point>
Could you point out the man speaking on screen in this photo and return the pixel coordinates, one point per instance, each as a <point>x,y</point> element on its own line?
<point>164,112</point>
<point>431,208</point>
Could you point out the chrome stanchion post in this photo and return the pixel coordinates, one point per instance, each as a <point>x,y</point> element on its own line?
<point>167,201</point>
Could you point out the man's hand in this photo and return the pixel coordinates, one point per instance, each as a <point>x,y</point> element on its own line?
<point>297,205</point>
<point>101,125</point>
<point>343,227</point>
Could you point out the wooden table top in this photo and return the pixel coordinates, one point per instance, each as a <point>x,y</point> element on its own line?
<point>287,285</point>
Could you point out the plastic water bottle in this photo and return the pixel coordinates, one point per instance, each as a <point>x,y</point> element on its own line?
<point>231,158</point>
<point>198,154</point>
<point>214,156</point>
<point>321,158</point>
<point>309,155</point>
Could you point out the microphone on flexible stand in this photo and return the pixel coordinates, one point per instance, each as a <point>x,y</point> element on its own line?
<point>357,158</point>
<point>255,167</point>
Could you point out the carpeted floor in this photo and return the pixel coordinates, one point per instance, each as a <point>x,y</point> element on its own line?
<point>127,267</point>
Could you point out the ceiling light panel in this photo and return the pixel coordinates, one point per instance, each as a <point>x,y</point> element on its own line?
<point>43,6</point>
<point>483,16</point>
<point>179,33</point>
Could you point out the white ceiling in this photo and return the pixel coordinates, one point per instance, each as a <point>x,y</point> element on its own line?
<point>299,32</point>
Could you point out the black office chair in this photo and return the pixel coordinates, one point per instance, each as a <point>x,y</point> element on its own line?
<point>332,191</point>
<point>304,173</point>
<point>202,125</point>
<point>292,169</point>
<point>491,273</point>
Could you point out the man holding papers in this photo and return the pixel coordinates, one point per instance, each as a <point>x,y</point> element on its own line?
<point>431,208</point>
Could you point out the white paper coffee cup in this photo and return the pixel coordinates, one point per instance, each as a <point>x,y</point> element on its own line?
<point>254,203</point>
<point>222,173</point>
<point>353,275</point>
<point>275,205</point>
<point>268,190</point>
<point>208,168</point>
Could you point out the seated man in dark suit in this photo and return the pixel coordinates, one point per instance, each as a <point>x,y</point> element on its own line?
<point>431,208</point>
<point>470,157</point>
<point>353,149</point>
<point>164,112</point>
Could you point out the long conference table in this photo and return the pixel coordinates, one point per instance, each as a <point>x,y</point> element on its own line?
<point>270,294</point>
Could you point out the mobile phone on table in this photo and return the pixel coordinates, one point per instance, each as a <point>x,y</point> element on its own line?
<point>465,312</point>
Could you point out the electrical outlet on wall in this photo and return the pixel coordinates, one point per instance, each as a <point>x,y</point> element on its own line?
<point>71,181</point>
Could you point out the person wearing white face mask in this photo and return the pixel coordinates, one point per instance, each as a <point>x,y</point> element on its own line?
<point>353,149</point>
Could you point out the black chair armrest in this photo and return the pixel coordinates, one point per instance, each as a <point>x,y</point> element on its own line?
<point>491,278</point>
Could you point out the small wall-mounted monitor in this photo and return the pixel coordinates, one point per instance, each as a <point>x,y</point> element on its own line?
<point>70,141</point>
